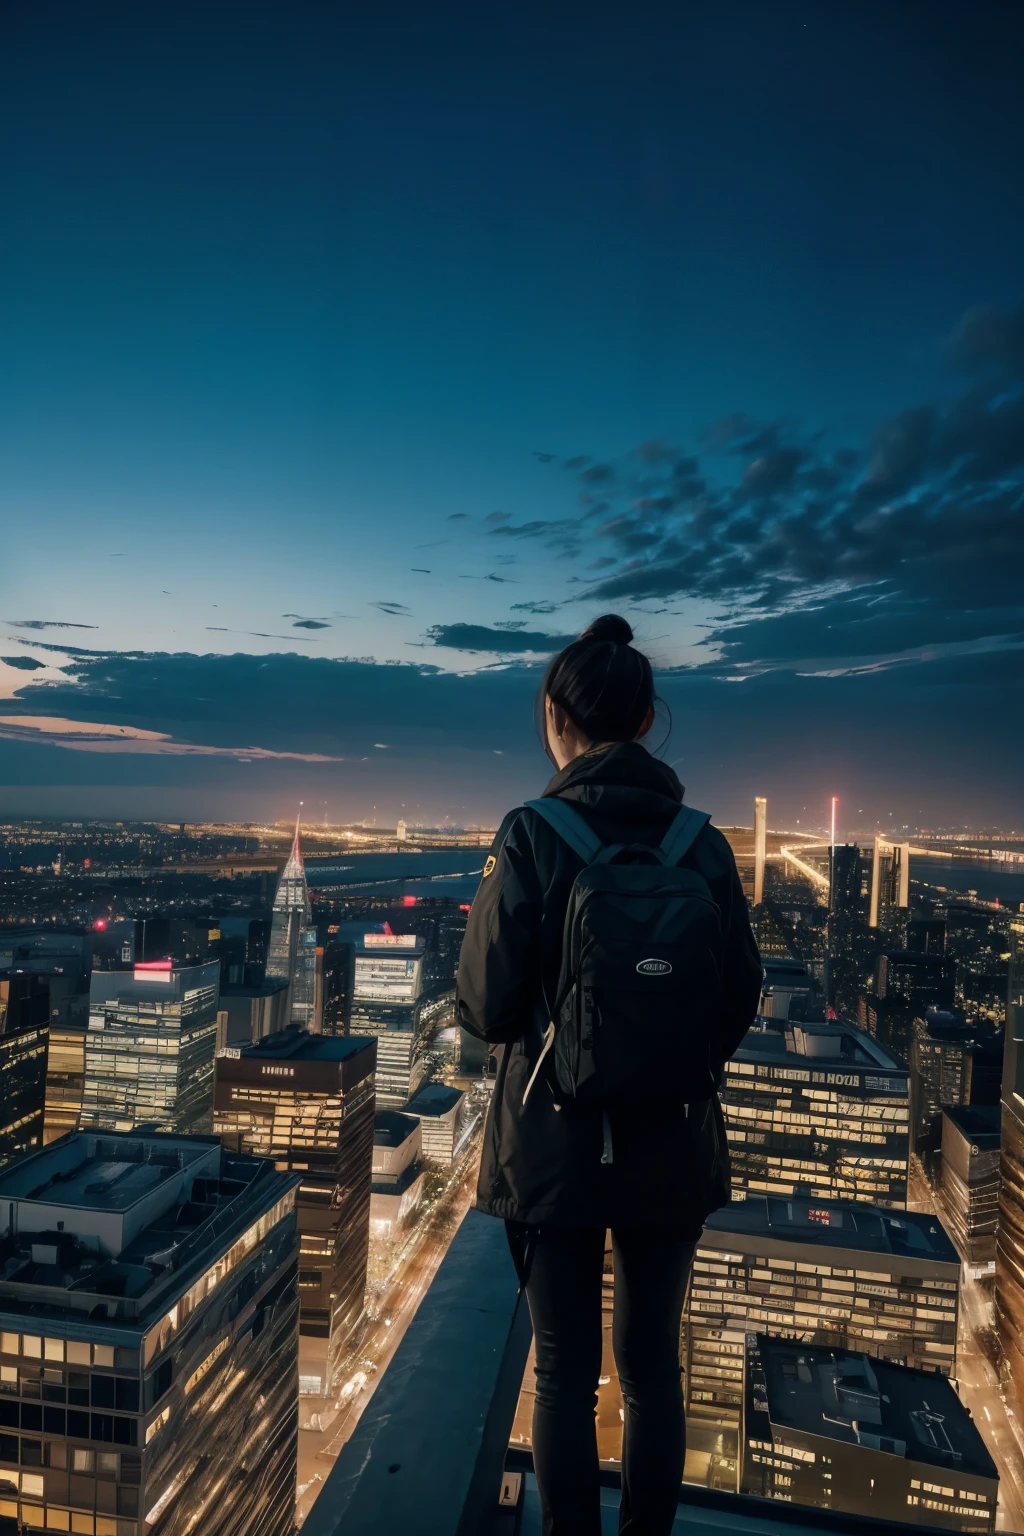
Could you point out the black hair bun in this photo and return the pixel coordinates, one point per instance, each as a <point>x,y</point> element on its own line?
<point>609,627</point>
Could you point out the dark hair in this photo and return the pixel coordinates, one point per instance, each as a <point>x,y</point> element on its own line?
<point>603,684</point>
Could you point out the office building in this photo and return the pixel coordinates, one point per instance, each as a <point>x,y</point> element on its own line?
<point>396,1191</point>
<point>307,1102</point>
<point>291,953</point>
<point>149,1048</point>
<point>1009,1292</point>
<point>24,1032</point>
<point>922,980</point>
<point>387,986</point>
<point>60,962</point>
<point>861,1436</point>
<point>148,1311</point>
<point>838,1273</point>
<point>789,991</point>
<point>890,889</point>
<point>446,1119</point>
<point>940,1057</point>
<point>334,966</point>
<point>817,1109</point>
<point>851,942</point>
<point>253,1011</point>
<point>970,1179</point>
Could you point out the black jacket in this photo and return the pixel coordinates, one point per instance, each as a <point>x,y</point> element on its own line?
<point>541,1163</point>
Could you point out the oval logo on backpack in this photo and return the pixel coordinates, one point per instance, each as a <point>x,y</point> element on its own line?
<point>654,967</point>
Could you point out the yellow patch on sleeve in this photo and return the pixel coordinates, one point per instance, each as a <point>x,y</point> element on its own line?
<point>489,865</point>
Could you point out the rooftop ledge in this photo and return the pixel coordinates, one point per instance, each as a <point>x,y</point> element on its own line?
<point>431,1451</point>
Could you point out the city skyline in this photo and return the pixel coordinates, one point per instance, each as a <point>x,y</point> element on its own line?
<point>335,417</point>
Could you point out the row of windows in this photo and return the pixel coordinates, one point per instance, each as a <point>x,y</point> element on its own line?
<point>51,1517</point>
<point>57,1386</point>
<point>109,1428</point>
<point>159,1337</point>
<point>75,1351</point>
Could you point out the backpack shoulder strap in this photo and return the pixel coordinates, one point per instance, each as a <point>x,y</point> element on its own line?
<point>571,827</point>
<point>685,828</point>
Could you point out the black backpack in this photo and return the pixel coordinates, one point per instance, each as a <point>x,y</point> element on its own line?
<point>640,990</point>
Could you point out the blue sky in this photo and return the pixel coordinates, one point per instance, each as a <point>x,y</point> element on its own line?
<point>296,304</point>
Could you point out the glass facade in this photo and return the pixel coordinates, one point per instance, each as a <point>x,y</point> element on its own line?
<point>385,1003</point>
<point>164,1373</point>
<point>970,1179</point>
<point>820,1110</point>
<point>149,1049</point>
<point>24,1012</point>
<point>307,1102</point>
<point>853,1276</point>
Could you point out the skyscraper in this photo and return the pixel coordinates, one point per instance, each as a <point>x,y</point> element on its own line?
<point>851,944</point>
<point>890,888</point>
<point>148,1309</point>
<point>970,1178</point>
<point>386,1003</point>
<point>24,1010</point>
<point>817,1109</point>
<point>307,1101</point>
<point>149,1048</point>
<point>291,954</point>
<point>1009,1293</point>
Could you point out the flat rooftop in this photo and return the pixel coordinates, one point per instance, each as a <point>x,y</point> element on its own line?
<point>391,1127</point>
<point>434,1099</point>
<point>860,1400</point>
<point>834,1224</point>
<point>102,1173</point>
<point>979,1123</point>
<point>828,1045</point>
<point>300,1045</point>
<point>113,1227</point>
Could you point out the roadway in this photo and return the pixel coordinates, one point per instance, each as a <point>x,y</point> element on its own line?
<point>394,1310</point>
<point>977,1381</point>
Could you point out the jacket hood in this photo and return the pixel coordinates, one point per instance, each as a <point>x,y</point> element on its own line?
<point>617,775</point>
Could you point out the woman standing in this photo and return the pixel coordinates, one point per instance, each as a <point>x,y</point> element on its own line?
<point>547,1167</point>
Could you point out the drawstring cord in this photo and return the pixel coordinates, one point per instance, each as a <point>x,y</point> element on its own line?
<point>549,1040</point>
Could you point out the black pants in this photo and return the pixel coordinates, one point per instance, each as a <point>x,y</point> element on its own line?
<point>563,1269</point>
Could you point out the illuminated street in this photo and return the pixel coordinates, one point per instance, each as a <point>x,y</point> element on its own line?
<point>384,1332</point>
<point>977,1380</point>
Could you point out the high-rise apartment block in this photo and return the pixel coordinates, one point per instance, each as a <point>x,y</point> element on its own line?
<point>148,1335</point>
<point>823,1272</point>
<point>817,1109</point>
<point>760,841</point>
<point>291,953</point>
<point>861,1436</point>
<point>24,1032</point>
<point>149,1048</point>
<point>307,1102</point>
<point>1009,1294</point>
<point>970,1179</point>
<point>388,980</point>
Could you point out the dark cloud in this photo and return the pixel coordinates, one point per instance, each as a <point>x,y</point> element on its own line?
<point>929,514</point>
<point>446,727</point>
<point>48,624</point>
<point>394,609</point>
<point>498,517</point>
<point>23,663</point>
<point>535,607</point>
<point>503,641</point>
<point>310,624</point>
